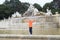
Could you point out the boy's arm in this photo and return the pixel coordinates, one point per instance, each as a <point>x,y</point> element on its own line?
<point>26,21</point>
<point>33,20</point>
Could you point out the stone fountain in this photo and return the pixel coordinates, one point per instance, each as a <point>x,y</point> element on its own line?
<point>16,14</point>
<point>49,13</point>
<point>31,11</point>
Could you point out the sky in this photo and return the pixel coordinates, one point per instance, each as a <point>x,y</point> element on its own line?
<point>41,2</point>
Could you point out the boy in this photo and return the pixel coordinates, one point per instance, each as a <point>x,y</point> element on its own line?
<point>30,23</point>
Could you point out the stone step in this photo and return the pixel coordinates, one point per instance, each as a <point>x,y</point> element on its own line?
<point>28,37</point>
<point>52,31</point>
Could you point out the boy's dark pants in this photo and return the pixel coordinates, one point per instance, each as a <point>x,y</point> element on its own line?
<point>30,30</point>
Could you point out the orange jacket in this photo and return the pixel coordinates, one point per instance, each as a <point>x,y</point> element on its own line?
<point>30,22</point>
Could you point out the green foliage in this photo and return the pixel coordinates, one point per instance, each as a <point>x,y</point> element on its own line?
<point>38,6</point>
<point>8,8</point>
<point>24,7</point>
<point>46,6</point>
<point>50,5</point>
<point>5,11</point>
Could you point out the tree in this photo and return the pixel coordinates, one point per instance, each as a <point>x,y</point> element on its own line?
<point>16,5</point>
<point>51,7</point>
<point>46,6</point>
<point>5,11</point>
<point>38,6</point>
<point>24,7</point>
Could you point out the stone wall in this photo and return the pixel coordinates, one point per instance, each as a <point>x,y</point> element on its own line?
<point>43,25</point>
<point>45,21</point>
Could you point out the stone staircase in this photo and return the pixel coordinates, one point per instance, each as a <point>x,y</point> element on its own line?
<point>47,28</point>
<point>29,37</point>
